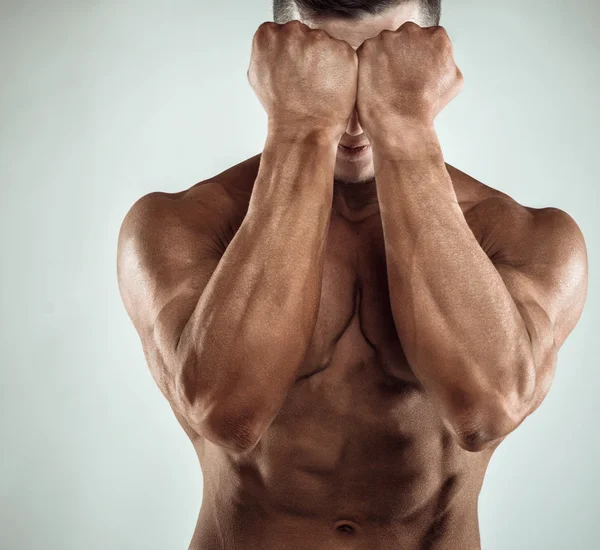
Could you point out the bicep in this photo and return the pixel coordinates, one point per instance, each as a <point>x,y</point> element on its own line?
<point>166,255</point>
<point>541,257</point>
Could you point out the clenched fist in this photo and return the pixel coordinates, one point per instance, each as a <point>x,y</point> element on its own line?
<point>305,79</point>
<point>408,74</point>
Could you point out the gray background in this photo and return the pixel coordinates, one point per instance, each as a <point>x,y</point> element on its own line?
<point>103,102</point>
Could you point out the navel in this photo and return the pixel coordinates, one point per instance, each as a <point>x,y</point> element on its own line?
<point>345,527</point>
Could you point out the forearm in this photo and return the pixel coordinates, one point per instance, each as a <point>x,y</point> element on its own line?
<point>460,329</point>
<point>254,321</point>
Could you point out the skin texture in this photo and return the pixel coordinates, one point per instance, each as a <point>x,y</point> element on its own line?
<point>346,342</point>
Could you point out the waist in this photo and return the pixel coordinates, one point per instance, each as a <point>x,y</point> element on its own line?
<point>261,527</point>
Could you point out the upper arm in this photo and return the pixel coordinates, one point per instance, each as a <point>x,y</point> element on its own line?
<point>168,249</point>
<point>541,256</point>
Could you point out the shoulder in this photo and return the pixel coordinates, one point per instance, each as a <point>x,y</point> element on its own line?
<point>543,242</point>
<point>539,249</point>
<point>159,218</point>
<point>471,191</point>
<point>516,232</point>
<point>169,246</point>
<point>164,235</point>
<point>214,207</point>
<point>493,212</point>
<point>160,206</point>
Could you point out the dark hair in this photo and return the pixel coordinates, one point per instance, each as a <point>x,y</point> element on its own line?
<point>285,10</point>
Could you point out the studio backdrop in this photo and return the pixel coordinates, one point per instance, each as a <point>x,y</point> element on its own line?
<point>103,102</point>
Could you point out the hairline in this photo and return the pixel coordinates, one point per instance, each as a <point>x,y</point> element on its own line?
<point>291,12</point>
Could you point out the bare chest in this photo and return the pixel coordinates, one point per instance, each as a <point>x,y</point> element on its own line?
<point>356,433</point>
<point>355,325</point>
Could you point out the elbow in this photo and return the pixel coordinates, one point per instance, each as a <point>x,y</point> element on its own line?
<point>480,432</point>
<point>483,426</point>
<point>228,419</point>
<point>475,438</point>
<point>480,419</point>
<point>234,426</point>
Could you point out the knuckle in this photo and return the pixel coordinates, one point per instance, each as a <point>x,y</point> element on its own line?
<point>267,26</point>
<point>264,29</point>
<point>294,24</point>
<point>366,44</point>
<point>440,34</point>
<point>410,26</point>
<point>343,45</point>
<point>319,34</point>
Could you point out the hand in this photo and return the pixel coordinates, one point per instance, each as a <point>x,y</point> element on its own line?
<point>406,75</point>
<point>304,78</point>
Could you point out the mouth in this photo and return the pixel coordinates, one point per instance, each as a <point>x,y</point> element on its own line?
<point>354,152</point>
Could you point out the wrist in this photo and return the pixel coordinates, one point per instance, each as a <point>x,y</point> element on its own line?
<point>314,146</point>
<point>405,138</point>
<point>290,130</point>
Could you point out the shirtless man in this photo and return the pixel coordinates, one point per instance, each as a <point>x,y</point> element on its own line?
<point>346,337</point>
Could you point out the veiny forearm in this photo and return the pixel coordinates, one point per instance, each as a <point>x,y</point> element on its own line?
<point>459,327</point>
<point>253,323</point>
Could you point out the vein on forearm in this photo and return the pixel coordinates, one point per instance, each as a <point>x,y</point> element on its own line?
<point>460,329</point>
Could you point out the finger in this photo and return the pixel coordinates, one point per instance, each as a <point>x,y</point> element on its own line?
<point>409,26</point>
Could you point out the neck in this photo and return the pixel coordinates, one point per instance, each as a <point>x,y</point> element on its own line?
<point>355,201</point>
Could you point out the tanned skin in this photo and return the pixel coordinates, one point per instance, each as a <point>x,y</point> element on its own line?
<point>346,342</point>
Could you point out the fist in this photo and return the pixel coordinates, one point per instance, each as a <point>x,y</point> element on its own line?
<point>406,74</point>
<point>303,77</point>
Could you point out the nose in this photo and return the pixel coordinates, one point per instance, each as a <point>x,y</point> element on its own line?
<point>353,128</point>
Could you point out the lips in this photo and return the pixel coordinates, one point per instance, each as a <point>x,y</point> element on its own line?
<point>353,153</point>
<point>358,146</point>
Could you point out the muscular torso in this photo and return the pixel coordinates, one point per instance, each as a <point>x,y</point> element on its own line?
<point>357,457</point>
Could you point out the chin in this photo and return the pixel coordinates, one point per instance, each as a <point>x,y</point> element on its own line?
<point>354,173</point>
<point>362,179</point>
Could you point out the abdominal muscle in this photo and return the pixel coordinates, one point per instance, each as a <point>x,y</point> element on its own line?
<point>351,461</point>
<point>357,457</point>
